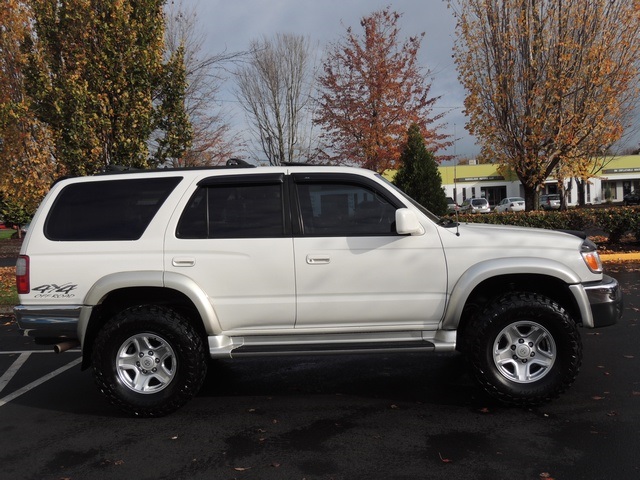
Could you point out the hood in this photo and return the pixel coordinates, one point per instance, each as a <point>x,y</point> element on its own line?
<point>483,235</point>
<point>501,241</point>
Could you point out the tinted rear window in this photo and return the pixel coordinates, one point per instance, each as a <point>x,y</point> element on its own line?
<point>107,210</point>
<point>234,211</point>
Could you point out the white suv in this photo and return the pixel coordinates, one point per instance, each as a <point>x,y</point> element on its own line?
<point>152,272</point>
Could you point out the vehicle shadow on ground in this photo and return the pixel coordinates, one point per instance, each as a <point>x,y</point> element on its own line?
<point>441,379</point>
<point>436,379</point>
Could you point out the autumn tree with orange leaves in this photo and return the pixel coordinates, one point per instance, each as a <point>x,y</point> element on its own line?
<point>26,161</point>
<point>372,89</point>
<point>550,83</point>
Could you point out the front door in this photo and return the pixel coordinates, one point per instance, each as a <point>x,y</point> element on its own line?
<point>353,270</point>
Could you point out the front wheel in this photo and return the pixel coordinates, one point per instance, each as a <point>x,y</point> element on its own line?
<point>149,361</point>
<point>525,350</point>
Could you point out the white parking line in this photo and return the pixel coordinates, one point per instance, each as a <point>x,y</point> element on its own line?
<point>40,381</point>
<point>13,369</point>
<point>18,352</point>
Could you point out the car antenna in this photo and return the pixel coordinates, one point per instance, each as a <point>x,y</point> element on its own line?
<point>455,185</point>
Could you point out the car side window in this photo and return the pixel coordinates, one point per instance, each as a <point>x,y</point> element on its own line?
<point>106,209</point>
<point>331,208</point>
<point>233,211</point>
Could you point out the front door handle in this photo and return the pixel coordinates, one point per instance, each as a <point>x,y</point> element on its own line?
<point>318,259</point>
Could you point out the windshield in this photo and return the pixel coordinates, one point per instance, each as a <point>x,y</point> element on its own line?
<point>430,215</point>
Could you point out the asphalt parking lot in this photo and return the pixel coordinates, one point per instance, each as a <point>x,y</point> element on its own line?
<point>351,417</point>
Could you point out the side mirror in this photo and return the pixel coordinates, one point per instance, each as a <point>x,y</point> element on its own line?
<point>407,222</point>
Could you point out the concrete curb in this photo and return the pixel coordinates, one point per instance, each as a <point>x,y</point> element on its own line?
<point>620,257</point>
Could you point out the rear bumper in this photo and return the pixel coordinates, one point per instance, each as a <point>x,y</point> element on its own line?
<point>48,323</point>
<point>605,298</point>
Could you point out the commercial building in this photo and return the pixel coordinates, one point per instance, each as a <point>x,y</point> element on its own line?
<point>618,176</point>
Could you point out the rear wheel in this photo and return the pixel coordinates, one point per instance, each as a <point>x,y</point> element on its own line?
<point>149,361</point>
<point>525,349</point>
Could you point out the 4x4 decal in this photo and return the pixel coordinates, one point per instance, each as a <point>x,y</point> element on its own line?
<point>51,290</point>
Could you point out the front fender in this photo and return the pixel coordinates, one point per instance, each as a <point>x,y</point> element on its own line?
<point>487,269</point>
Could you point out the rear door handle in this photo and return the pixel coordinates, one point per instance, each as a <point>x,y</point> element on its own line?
<point>183,262</point>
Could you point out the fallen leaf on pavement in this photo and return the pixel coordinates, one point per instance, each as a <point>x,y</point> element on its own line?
<point>444,460</point>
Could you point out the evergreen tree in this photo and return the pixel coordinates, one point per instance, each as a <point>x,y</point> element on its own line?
<point>418,176</point>
<point>95,69</point>
<point>172,118</point>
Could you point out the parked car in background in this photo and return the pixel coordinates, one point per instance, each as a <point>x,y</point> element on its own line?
<point>475,205</point>
<point>452,206</point>
<point>632,198</point>
<point>550,202</point>
<point>510,204</point>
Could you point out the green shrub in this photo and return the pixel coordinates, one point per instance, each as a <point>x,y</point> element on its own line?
<point>614,222</point>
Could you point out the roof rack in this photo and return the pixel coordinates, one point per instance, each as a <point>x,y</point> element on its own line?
<point>236,162</point>
<point>231,163</point>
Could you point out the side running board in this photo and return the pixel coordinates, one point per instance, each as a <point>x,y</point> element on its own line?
<point>329,344</point>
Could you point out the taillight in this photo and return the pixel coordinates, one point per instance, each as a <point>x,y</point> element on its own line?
<point>22,275</point>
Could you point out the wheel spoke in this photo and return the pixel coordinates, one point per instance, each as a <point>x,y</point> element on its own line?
<point>127,362</point>
<point>542,361</point>
<point>163,352</point>
<point>522,371</point>
<point>163,376</point>
<point>537,335</point>
<point>511,334</point>
<point>140,382</point>
<point>145,344</point>
<point>503,356</point>
<point>137,344</point>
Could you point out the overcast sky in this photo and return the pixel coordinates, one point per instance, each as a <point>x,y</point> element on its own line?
<point>231,24</point>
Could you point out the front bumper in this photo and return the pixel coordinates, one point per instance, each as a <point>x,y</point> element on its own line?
<point>605,298</point>
<point>47,323</point>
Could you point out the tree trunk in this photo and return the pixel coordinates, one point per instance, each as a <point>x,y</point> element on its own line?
<point>529,198</point>
<point>581,192</point>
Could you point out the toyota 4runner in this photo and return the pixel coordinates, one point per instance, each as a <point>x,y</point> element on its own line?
<point>152,272</point>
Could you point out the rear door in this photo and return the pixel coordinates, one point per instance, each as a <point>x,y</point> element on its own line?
<point>352,269</point>
<point>233,238</point>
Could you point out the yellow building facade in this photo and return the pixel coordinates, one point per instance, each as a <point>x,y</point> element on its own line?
<point>617,177</point>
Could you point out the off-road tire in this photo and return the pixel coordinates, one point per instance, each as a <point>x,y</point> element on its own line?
<point>175,339</point>
<point>513,328</point>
